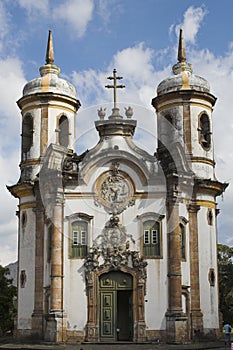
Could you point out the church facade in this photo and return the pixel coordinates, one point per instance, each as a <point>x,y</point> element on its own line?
<point>117,244</point>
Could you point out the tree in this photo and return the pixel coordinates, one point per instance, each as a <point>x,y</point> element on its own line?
<point>7,297</point>
<point>225,266</point>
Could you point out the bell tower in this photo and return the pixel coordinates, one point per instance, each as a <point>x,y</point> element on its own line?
<point>184,106</point>
<point>48,109</point>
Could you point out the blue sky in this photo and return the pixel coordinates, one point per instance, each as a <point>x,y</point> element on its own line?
<point>91,37</point>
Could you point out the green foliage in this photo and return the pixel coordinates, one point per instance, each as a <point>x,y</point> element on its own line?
<point>7,298</point>
<point>225,266</point>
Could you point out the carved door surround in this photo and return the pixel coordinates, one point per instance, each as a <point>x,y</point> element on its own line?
<point>98,263</point>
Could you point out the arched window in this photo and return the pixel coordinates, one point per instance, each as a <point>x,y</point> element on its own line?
<point>151,238</point>
<point>79,239</point>
<point>27,133</point>
<point>204,135</point>
<point>63,131</point>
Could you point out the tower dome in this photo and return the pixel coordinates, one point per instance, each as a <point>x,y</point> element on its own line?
<point>183,78</point>
<point>49,81</point>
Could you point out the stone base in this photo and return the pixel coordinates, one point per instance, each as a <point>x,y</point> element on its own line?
<point>22,334</point>
<point>55,328</point>
<point>92,333</point>
<point>37,326</point>
<point>139,332</point>
<point>177,328</point>
<point>75,337</point>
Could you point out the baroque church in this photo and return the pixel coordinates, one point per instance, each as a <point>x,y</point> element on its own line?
<point>117,244</point>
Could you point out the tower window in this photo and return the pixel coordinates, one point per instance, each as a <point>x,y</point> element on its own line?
<point>204,131</point>
<point>79,239</point>
<point>210,217</point>
<point>151,238</point>
<point>27,133</point>
<point>63,131</point>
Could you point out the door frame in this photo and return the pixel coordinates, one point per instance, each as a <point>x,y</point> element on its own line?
<point>93,305</point>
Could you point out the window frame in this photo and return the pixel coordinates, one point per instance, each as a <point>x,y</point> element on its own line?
<point>204,137</point>
<point>156,219</point>
<point>79,248</point>
<point>27,133</point>
<point>63,138</point>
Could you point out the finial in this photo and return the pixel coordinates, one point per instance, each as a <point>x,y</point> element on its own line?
<point>49,51</point>
<point>181,49</point>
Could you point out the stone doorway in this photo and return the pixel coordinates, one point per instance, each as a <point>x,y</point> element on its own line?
<point>120,275</point>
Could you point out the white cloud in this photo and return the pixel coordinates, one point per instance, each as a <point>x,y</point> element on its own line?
<point>135,62</point>
<point>11,83</point>
<point>11,79</point>
<point>106,9</point>
<point>193,18</point>
<point>76,13</point>
<point>31,6</point>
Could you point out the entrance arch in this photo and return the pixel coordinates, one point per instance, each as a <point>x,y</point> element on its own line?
<point>116,306</point>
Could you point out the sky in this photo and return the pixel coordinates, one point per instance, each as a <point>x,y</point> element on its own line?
<point>91,38</point>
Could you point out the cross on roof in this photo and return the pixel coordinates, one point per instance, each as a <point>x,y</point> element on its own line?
<point>115,86</point>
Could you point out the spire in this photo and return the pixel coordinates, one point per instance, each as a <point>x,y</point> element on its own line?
<point>181,49</point>
<point>182,65</point>
<point>49,51</point>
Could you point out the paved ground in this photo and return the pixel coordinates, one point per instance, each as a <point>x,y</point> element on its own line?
<point>119,346</point>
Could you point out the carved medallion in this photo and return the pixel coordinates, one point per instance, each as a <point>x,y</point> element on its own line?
<point>115,190</point>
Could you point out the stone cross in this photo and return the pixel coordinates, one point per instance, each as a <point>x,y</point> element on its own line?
<point>115,86</point>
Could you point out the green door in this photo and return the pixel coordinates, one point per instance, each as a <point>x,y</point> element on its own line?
<point>116,311</point>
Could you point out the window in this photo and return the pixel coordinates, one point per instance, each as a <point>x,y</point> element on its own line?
<point>204,131</point>
<point>151,238</point>
<point>182,241</point>
<point>27,133</point>
<point>79,239</point>
<point>63,131</point>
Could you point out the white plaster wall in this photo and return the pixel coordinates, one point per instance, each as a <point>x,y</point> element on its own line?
<point>157,287</point>
<point>75,294</point>
<point>207,260</point>
<point>27,263</point>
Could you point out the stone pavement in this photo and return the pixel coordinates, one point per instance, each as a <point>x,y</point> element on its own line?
<point>119,346</point>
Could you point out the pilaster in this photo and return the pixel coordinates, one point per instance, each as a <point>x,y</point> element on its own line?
<point>56,321</point>
<point>196,314</point>
<point>38,312</point>
<point>176,319</point>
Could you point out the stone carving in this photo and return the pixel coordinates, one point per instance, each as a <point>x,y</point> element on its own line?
<point>102,113</point>
<point>129,112</point>
<point>112,250</point>
<point>70,166</point>
<point>113,235</point>
<point>114,258</point>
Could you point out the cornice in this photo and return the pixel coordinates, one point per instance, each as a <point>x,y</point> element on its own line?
<point>45,98</point>
<point>21,190</point>
<point>184,95</point>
